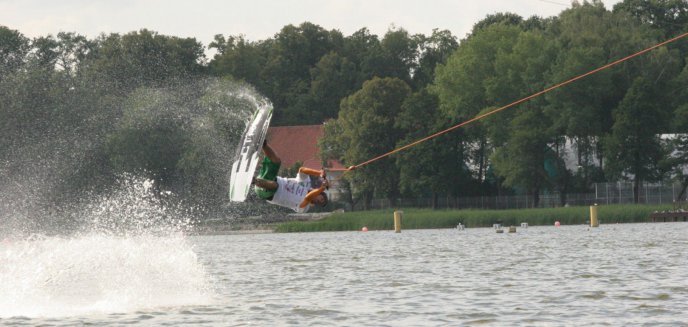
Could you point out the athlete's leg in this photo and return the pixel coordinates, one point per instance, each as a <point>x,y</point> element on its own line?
<point>270,153</point>
<point>265,184</point>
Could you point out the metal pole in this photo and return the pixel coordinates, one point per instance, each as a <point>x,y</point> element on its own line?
<point>397,221</point>
<point>607,187</point>
<point>646,199</point>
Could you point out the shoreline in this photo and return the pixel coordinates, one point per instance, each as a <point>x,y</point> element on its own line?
<point>241,227</point>
<point>431,219</point>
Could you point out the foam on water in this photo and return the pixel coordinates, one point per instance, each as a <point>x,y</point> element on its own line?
<point>55,276</point>
<point>131,255</point>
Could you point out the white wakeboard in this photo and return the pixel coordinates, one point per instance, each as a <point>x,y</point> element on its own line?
<point>248,153</point>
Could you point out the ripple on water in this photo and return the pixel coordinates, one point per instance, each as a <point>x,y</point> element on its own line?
<point>596,295</point>
<point>539,278</point>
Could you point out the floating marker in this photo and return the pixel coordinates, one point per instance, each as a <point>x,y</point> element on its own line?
<point>594,222</point>
<point>498,228</point>
<point>397,221</point>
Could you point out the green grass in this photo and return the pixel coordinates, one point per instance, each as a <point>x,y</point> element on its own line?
<point>428,219</point>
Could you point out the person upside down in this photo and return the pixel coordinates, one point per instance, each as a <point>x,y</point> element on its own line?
<point>295,193</point>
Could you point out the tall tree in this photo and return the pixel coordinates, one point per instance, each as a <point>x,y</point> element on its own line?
<point>364,50</point>
<point>523,141</point>
<point>497,19</point>
<point>434,50</point>
<point>521,159</point>
<point>240,58</point>
<point>144,58</point>
<point>295,50</point>
<point>435,167</point>
<point>588,36</point>
<point>72,49</point>
<point>634,147</point>
<point>467,84</point>
<point>332,79</point>
<point>14,47</point>
<point>669,16</point>
<point>365,129</point>
<point>401,52</point>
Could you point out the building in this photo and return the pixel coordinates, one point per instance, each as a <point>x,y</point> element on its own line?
<point>299,145</point>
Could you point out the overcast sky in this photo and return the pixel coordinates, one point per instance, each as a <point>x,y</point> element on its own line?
<point>259,19</point>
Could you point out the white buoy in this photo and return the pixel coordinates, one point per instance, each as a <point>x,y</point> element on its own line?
<point>498,228</point>
<point>524,225</point>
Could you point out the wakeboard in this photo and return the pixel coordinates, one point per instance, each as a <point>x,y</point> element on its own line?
<point>248,153</point>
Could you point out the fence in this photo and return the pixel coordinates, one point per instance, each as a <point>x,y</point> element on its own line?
<point>622,192</point>
<point>605,193</point>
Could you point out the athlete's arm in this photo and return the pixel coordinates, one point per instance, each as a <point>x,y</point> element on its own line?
<point>311,195</point>
<point>311,171</point>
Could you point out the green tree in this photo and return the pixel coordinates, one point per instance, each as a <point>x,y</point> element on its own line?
<point>521,159</point>
<point>296,49</point>
<point>634,148</point>
<point>588,36</point>
<point>240,58</point>
<point>434,167</point>
<point>14,47</point>
<point>332,79</point>
<point>523,135</point>
<point>678,160</point>
<point>365,129</point>
<point>509,19</point>
<point>400,51</point>
<point>467,84</point>
<point>364,50</point>
<point>669,16</point>
<point>434,50</point>
<point>143,58</point>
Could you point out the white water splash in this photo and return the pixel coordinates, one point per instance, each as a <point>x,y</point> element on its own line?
<point>135,208</point>
<point>132,255</point>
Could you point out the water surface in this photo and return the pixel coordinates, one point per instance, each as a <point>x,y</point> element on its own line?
<point>627,274</point>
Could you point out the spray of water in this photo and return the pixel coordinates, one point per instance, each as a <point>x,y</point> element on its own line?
<point>181,135</point>
<point>122,245</point>
<point>130,255</point>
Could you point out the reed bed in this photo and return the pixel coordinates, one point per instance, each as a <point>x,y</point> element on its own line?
<point>429,219</point>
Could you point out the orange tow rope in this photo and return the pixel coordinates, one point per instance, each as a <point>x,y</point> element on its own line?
<point>476,118</point>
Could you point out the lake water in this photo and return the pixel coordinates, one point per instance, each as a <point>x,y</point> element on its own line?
<point>627,274</point>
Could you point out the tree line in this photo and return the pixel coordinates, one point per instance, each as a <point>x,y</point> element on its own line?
<point>613,121</point>
<point>91,109</point>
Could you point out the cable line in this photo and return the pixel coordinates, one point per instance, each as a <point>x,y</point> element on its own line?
<point>479,117</point>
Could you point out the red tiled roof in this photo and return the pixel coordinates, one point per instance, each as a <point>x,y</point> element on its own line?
<point>298,144</point>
